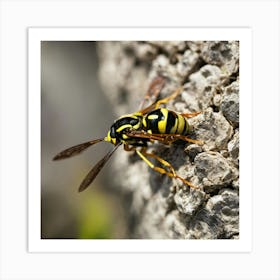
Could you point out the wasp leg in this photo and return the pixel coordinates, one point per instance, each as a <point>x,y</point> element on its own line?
<point>169,98</point>
<point>161,101</point>
<point>129,149</point>
<point>161,160</point>
<point>153,91</point>
<point>163,138</point>
<point>169,139</point>
<point>187,139</point>
<point>143,154</point>
<point>190,115</point>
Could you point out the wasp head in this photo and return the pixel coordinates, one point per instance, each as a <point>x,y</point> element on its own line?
<point>123,125</point>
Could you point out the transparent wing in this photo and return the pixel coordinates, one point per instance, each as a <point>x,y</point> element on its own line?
<point>96,169</point>
<point>75,150</point>
<point>153,92</point>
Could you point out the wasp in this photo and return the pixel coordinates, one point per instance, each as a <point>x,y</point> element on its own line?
<point>135,131</point>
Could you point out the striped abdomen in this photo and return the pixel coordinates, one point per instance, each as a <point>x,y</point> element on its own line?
<point>163,121</point>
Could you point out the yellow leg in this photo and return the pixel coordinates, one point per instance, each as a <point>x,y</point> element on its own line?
<point>171,174</point>
<point>168,139</point>
<point>198,142</point>
<point>190,115</point>
<point>169,98</point>
<point>161,160</point>
<point>161,101</point>
<point>128,149</point>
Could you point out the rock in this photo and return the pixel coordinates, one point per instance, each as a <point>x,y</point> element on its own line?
<point>199,92</point>
<point>205,225</point>
<point>235,184</point>
<point>176,226</point>
<point>230,103</point>
<point>187,63</point>
<point>233,148</point>
<point>187,202</point>
<point>217,100</point>
<point>225,206</point>
<point>153,227</point>
<point>193,150</point>
<point>221,53</point>
<point>208,72</point>
<point>169,47</point>
<point>195,46</point>
<point>117,74</point>
<point>213,129</point>
<point>161,66</point>
<point>142,52</point>
<point>213,171</point>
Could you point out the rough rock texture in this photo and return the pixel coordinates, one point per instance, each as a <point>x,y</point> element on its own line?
<point>157,206</point>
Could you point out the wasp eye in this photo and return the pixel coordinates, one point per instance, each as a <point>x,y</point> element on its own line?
<point>113,132</point>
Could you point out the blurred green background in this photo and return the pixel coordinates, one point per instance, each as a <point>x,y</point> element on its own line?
<point>73,111</point>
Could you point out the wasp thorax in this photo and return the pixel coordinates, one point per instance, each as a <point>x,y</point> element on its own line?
<point>123,125</point>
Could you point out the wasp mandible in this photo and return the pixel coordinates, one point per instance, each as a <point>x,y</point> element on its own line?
<point>136,130</point>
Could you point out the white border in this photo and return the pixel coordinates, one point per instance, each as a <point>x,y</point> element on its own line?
<point>263,260</point>
<point>36,35</point>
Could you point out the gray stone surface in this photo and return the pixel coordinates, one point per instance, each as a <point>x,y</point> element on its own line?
<point>158,206</point>
<point>213,129</point>
<point>214,171</point>
<point>222,53</point>
<point>233,148</point>
<point>188,201</point>
<point>230,103</point>
<point>225,206</point>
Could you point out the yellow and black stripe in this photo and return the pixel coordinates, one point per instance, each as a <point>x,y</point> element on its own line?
<point>117,132</point>
<point>164,121</point>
